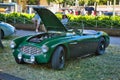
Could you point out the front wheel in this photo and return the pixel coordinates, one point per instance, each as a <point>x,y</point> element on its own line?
<point>19,61</point>
<point>2,34</point>
<point>101,47</point>
<point>58,58</point>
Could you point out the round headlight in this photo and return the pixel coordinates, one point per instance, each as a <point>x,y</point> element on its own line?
<point>12,44</point>
<point>44,48</point>
<point>32,58</point>
<point>19,56</point>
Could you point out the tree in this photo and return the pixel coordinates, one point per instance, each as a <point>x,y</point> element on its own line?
<point>83,2</point>
<point>95,4</point>
<point>102,2</point>
<point>69,2</point>
<point>56,1</point>
<point>1,1</point>
<point>33,2</point>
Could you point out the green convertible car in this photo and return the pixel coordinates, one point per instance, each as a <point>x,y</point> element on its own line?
<point>58,43</point>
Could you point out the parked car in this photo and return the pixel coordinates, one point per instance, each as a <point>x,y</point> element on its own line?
<point>6,29</point>
<point>111,13</point>
<point>108,13</point>
<point>57,44</point>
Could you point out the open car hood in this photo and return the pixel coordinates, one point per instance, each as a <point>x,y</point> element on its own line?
<point>51,22</point>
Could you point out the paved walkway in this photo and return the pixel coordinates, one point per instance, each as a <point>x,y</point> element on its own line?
<point>24,32</point>
<point>113,40</point>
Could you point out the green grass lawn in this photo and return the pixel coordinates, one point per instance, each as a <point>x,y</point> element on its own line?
<point>104,67</point>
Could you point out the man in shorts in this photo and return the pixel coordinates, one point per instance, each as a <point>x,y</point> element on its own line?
<point>36,19</point>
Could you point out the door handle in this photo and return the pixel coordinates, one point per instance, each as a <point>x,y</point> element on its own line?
<point>73,43</point>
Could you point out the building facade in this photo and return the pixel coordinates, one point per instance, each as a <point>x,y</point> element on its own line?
<point>22,3</point>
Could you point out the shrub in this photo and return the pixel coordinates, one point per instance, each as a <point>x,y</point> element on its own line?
<point>88,21</point>
<point>16,17</point>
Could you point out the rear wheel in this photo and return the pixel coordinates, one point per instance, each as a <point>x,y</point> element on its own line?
<point>58,58</point>
<point>101,47</point>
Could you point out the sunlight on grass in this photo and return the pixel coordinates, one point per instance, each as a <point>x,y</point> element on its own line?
<point>103,67</point>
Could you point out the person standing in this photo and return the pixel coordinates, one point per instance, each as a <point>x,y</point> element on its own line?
<point>64,20</point>
<point>36,19</point>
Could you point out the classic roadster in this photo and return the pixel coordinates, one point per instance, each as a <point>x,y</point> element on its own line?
<point>6,29</point>
<point>58,43</point>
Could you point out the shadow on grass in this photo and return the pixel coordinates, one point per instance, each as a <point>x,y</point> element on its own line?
<point>5,76</point>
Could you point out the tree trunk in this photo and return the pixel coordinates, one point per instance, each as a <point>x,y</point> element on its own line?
<point>119,2</point>
<point>114,3</point>
<point>59,5</point>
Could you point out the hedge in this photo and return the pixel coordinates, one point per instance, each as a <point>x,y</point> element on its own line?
<point>16,18</point>
<point>89,21</point>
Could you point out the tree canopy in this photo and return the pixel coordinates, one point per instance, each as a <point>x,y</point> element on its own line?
<point>33,2</point>
<point>72,2</point>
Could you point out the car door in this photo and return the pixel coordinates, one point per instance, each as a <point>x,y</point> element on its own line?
<point>90,43</point>
<point>82,45</point>
<point>76,46</point>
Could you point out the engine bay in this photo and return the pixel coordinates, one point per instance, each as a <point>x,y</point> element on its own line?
<point>40,37</point>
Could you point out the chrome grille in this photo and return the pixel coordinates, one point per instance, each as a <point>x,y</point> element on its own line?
<point>30,50</point>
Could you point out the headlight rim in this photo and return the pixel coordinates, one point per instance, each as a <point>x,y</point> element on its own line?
<point>12,44</point>
<point>44,48</point>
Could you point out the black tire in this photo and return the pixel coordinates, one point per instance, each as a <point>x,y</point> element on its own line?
<point>2,34</point>
<point>58,58</point>
<point>101,46</point>
<point>19,61</point>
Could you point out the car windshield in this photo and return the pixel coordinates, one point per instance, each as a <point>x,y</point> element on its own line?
<point>75,26</point>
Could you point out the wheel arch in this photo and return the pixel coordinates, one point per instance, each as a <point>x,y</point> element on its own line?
<point>102,41</point>
<point>2,36</point>
<point>65,49</point>
<point>106,40</point>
